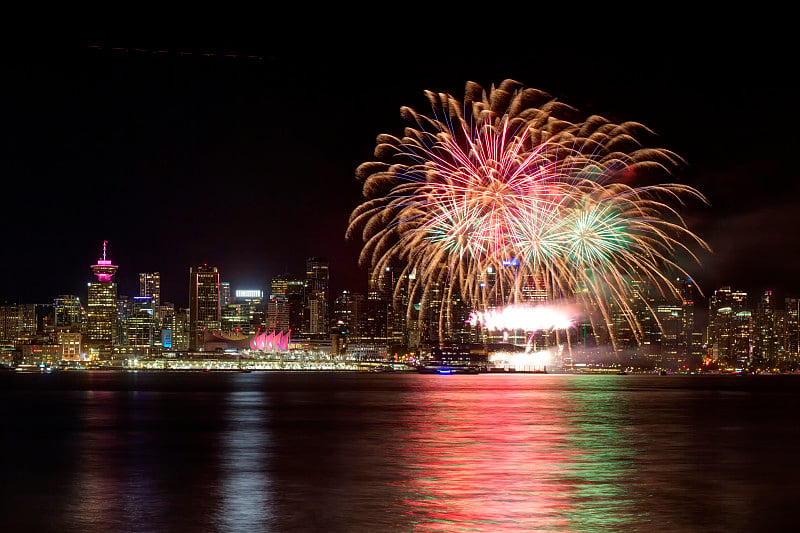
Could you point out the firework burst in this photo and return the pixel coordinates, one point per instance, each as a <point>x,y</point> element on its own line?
<point>508,174</point>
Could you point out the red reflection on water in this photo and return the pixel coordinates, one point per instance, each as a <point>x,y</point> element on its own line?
<point>488,459</point>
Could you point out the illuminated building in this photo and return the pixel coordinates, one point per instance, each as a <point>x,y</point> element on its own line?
<point>67,310</point>
<point>244,313</point>
<point>102,303</point>
<point>277,313</point>
<point>27,320</point>
<point>792,334</point>
<point>204,303</point>
<point>224,293</point>
<point>728,326</point>
<point>180,332</point>
<point>124,310</point>
<point>251,303</point>
<point>291,291</point>
<point>167,324</point>
<point>141,325</point>
<point>150,285</point>
<point>767,345</point>
<point>9,322</point>
<point>316,296</point>
<point>70,343</point>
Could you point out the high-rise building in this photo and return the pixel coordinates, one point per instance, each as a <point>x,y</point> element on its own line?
<point>224,293</point>
<point>102,303</point>
<point>141,325</point>
<point>204,303</point>
<point>316,296</point>
<point>67,310</point>
<point>765,340</point>
<point>251,305</point>
<point>9,322</point>
<point>27,320</point>
<point>691,340</point>
<point>792,336</point>
<point>728,326</point>
<point>167,325</point>
<point>150,285</point>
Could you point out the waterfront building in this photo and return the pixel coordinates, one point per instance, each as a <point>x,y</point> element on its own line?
<point>316,297</point>
<point>290,289</point>
<point>141,325</point>
<point>792,331</point>
<point>765,340</point>
<point>181,331</point>
<point>277,313</point>
<point>102,303</point>
<point>9,322</point>
<point>728,326</point>
<point>204,303</point>
<point>70,342</point>
<point>234,318</point>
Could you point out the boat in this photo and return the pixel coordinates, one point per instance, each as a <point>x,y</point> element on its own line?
<point>435,368</point>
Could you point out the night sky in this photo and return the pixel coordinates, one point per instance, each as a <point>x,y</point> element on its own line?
<point>248,163</point>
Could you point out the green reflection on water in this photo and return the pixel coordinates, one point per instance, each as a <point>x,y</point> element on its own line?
<point>602,462</point>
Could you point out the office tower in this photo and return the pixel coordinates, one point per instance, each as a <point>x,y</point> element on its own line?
<point>167,325</point>
<point>102,303</point>
<point>673,348</point>
<point>124,310</point>
<point>729,323</point>
<point>316,296</point>
<point>346,314</point>
<point>765,340</point>
<point>67,310</point>
<point>250,303</point>
<point>181,331</point>
<point>224,293</point>
<point>150,285</point>
<point>277,313</point>
<point>792,336</point>
<point>691,342</point>
<point>204,304</point>
<point>27,320</point>
<point>140,328</point>
<point>9,322</point>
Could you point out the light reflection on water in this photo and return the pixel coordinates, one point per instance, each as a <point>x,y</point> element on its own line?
<point>246,490</point>
<point>405,452</point>
<point>514,459</point>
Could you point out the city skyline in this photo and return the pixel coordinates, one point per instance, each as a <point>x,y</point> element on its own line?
<point>249,164</point>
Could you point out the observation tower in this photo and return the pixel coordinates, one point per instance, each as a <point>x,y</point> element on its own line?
<point>104,270</point>
<point>102,303</point>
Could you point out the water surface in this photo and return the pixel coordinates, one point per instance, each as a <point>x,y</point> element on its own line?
<point>151,452</point>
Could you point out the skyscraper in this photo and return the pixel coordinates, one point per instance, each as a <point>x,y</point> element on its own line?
<point>316,296</point>
<point>765,340</point>
<point>204,303</point>
<point>140,330</point>
<point>150,285</point>
<point>102,303</point>
<point>67,310</point>
<point>729,326</point>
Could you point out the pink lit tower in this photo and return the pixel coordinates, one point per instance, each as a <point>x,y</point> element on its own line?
<point>102,303</point>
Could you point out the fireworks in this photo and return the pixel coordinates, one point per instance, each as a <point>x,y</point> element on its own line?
<point>508,176</point>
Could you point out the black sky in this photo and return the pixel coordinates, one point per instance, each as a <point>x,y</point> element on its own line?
<point>248,163</point>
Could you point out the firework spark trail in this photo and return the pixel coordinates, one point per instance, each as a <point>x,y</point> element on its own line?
<point>506,174</point>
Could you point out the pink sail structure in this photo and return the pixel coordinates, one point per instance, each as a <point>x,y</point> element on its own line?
<point>270,342</point>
